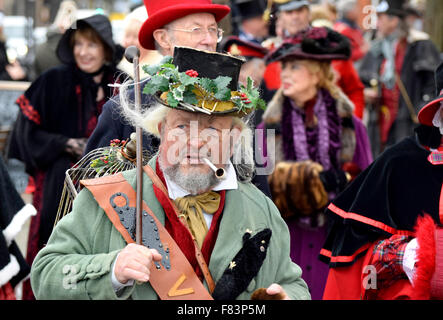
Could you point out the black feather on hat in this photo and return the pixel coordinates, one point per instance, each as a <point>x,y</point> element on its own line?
<point>315,44</point>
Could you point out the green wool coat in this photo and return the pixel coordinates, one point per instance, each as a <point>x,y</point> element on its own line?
<point>77,261</point>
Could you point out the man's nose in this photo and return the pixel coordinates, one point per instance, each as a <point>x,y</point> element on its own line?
<point>209,40</point>
<point>196,140</point>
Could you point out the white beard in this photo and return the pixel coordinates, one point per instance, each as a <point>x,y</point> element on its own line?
<point>194,183</point>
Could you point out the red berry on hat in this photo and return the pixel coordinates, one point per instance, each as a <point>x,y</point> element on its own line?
<point>192,73</point>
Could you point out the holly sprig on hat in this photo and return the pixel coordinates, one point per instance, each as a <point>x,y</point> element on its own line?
<point>188,87</point>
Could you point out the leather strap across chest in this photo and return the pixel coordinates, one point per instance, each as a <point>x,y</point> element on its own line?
<point>173,278</point>
<point>198,254</point>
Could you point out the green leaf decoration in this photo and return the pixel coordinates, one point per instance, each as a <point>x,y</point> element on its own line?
<point>187,80</point>
<point>151,69</point>
<point>250,84</point>
<point>223,94</point>
<point>189,96</point>
<point>222,82</point>
<point>167,66</point>
<point>208,85</point>
<point>155,84</point>
<point>178,92</point>
<point>171,100</point>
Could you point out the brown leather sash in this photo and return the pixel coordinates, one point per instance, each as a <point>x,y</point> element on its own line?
<point>198,254</point>
<point>177,282</point>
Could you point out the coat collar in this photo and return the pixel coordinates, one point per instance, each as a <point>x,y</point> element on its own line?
<point>273,113</point>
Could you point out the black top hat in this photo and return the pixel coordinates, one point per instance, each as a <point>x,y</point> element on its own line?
<point>319,43</point>
<point>250,8</point>
<point>202,81</point>
<point>392,7</point>
<point>427,113</point>
<point>208,64</point>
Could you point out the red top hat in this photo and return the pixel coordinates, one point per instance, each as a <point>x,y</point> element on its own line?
<point>426,114</point>
<point>162,12</point>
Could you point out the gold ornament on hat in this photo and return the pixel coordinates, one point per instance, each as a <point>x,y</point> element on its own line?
<point>234,50</point>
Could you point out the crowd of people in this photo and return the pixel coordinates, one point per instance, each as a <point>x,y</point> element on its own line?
<point>328,137</point>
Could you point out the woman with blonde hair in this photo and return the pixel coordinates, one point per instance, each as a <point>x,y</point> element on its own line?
<point>319,144</point>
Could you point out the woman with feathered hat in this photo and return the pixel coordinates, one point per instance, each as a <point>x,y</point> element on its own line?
<point>319,144</point>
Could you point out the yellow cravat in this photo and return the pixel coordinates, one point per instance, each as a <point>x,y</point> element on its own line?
<point>192,207</point>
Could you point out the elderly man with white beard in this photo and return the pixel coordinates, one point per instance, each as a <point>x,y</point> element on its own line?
<point>208,232</point>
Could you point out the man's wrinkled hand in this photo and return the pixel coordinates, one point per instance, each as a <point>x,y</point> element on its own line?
<point>134,262</point>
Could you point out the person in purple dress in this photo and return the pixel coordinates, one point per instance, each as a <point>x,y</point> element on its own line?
<point>319,144</point>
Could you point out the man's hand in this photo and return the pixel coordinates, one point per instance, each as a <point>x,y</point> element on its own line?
<point>134,262</point>
<point>276,290</point>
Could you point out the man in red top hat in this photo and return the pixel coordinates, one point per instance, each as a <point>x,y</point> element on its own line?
<point>170,23</point>
<point>191,23</point>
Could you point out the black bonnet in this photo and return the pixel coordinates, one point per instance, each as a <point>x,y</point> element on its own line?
<point>99,23</point>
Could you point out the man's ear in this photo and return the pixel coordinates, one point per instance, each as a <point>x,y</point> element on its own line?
<point>163,39</point>
<point>159,128</point>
